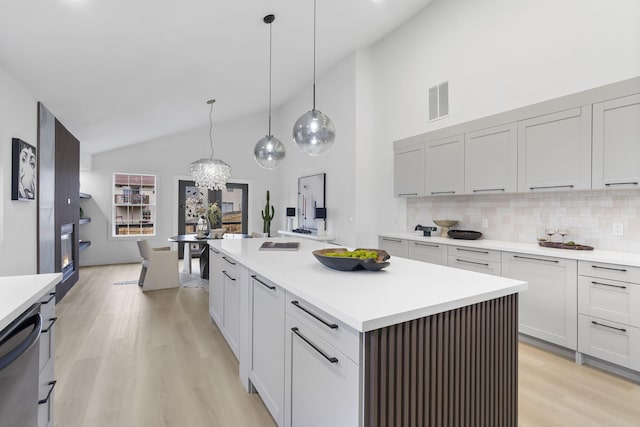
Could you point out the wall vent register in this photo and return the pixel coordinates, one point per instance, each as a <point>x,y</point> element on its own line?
<point>439,101</point>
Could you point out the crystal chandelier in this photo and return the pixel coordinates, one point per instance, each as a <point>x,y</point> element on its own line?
<point>313,132</point>
<point>210,173</point>
<point>269,151</point>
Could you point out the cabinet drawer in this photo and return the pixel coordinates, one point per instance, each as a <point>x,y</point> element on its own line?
<point>609,300</point>
<point>333,331</point>
<point>229,266</point>
<point>46,384</point>
<point>395,247</point>
<point>623,273</point>
<point>47,337</point>
<point>474,253</point>
<point>610,341</point>
<point>434,253</point>
<point>479,266</point>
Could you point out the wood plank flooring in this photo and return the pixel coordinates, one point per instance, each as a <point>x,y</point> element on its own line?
<point>124,358</point>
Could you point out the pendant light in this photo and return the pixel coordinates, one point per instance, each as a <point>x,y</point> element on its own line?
<point>210,173</point>
<point>269,151</point>
<point>313,132</point>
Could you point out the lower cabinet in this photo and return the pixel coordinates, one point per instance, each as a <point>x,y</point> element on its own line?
<point>216,290</point>
<point>46,381</point>
<point>614,342</point>
<point>548,308</point>
<point>267,344</point>
<point>475,259</point>
<point>322,385</point>
<point>231,311</point>
<point>395,247</point>
<point>434,253</point>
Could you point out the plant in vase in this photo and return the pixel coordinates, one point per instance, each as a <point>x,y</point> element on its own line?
<point>266,217</point>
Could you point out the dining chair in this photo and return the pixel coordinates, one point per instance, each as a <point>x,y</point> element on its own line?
<point>159,267</point>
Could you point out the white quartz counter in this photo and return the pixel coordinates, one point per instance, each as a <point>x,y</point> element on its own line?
<point>18,293</point>
<point>596,255</point>
<point>367,300</point>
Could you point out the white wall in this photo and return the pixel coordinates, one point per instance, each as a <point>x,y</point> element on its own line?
<point>18,220</point>
<point>497,55</point>
<point>335,97</point>
<point>168,158</point>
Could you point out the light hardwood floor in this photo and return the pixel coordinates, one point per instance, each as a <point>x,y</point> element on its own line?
<point>124,358</point>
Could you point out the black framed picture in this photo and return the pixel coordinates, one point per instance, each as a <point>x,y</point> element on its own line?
<point>23,170</point>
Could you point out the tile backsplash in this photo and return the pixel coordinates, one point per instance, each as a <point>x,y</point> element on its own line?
<point>589,215</point>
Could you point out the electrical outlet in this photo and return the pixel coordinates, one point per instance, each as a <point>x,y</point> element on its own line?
<point>485,223</point>
<point>617,229</point>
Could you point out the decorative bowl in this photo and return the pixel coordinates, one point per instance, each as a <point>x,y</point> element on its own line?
<point>217,233</point>
<point>444,225</point>
<point>464,234</point>
<point>352,264</point>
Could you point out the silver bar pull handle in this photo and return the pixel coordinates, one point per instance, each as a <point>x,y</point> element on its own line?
<point>472,250</point>
<point>610,285</point>
<point>388,239</point>
<point>426,244</point>
<point>536,259</point>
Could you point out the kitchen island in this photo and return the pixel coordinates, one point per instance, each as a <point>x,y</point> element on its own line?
<point>413,344</point>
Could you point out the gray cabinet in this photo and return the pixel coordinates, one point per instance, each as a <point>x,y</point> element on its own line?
<point>216,290</point>
<point>231,300</point>
<point>491,160</point>
<point>548,308</point>
<point>444,166</point>
<point>267,344</point>
<point>616,143</point>
<point>554,151</point>
<point>46,380</point>
<point>435,253</point>
<point>408,166</point>
<point>395,247</point>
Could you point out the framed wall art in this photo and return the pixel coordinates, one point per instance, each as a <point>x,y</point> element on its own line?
<point>23,170</point>
<point>311,194</point>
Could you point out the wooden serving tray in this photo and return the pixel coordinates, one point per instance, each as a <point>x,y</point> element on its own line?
<point>565,246</point>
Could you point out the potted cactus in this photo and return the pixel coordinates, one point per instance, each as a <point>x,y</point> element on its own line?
<point>267,217</point>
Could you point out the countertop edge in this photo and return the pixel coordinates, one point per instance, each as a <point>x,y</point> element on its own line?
<point>40,285</point>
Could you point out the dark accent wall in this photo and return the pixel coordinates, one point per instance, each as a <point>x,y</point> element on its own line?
<point>59,195</point>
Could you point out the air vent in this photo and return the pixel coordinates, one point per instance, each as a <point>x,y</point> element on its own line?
<point>439,101</point>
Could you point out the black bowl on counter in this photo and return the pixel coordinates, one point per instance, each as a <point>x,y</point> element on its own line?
<point>464,234</point>
<point>352,264</point>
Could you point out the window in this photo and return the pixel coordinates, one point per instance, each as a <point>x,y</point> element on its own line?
<point>134,205</point>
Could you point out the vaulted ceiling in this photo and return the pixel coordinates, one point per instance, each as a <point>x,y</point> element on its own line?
<point>118,72</point>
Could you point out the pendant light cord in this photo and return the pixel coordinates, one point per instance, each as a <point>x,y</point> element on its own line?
<point>270,44</point>
<point>211,102</point>
<point>314,55</point>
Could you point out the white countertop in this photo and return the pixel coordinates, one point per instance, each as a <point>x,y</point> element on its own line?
<point>18,293</point>
<point>596,255</point>
<point>368,300</point>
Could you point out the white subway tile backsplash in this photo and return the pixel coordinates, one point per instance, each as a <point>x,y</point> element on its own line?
<point>588,215</point>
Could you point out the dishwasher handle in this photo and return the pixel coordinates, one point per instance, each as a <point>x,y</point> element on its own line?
<point>29,319</point>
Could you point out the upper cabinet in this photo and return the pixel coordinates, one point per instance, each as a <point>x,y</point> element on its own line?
<point>408,169</point>
<point>616,143</point>
<point>554,151</point>
<point>444,166</point>
<point>483,151</point>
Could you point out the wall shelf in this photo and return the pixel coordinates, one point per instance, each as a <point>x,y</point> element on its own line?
<point>85,195</point>
<point>85,220</point>
<point>83,245</point>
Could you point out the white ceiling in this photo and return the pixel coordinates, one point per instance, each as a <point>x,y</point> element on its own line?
<point>118,72</point>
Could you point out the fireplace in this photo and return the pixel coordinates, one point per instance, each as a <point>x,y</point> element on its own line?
<point>67,258</point>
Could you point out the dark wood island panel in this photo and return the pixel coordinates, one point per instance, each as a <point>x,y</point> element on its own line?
<point>457,368</point>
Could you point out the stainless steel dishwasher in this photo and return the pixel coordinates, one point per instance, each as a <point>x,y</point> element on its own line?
<point>19,351</point>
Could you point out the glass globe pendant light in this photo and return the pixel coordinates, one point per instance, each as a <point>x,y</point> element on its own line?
<point>210,173</point>
<point>314,132</point>
<point>269,151</point>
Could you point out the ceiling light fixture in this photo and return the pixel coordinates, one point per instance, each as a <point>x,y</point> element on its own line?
<point>210,173</point>
<point>269,151</point>
<point>314,132</point>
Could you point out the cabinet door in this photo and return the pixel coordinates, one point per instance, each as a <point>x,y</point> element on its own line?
<point>491,160</point>
<point>322,384</point>
<point>267,339</point>
<point>444,166</point>
<point>435,253</point>
<point>616,143</point>
<point>216,287</point>
<point>395,247</point>
<point>548,308</point>
<point>408,171</point>
<point>231,311</point>
<point>554,151</point>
